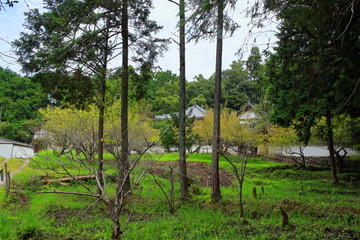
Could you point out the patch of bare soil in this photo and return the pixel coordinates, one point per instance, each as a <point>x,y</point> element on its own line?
<point>61,215</point>
<point>198,173</point>
<point>17,196</point>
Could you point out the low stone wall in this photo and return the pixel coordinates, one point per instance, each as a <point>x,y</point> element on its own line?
<point>322,162</point>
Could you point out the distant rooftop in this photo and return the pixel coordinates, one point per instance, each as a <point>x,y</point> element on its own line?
<point>247,107</point>
<point>194,111</point>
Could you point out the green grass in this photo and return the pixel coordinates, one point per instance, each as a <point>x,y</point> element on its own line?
<point>316,208</point>
<point>14,164</point>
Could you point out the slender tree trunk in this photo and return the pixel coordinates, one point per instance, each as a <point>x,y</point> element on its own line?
<point>182,117</point>
<point>241,183</point>
<point>241,204</point>
<point>116,230</point>
<point>124,158</point>
<point>216,194</point>
<point>100,171</point>
<point>123,166</point>
<point>331,148</point>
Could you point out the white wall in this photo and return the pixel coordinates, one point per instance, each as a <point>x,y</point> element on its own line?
<point>309,151</point>
<point>22,152</point>
<point>248,115</point>
<point>5,150</point>
<point>15,151</point>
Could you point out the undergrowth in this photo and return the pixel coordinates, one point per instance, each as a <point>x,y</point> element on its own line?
<point>316,208</point>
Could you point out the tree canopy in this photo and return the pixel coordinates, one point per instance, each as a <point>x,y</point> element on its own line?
<point>20,99</point>
<point>314,72</point>
<point>314,68</point>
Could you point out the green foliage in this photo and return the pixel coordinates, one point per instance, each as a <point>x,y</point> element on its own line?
<point>202,86</point>
<point>139,84</point>
<point>232,132</point>
<point>20,99</point>
<point>72,62</point>
<point>313,72</point>
<point>199,100</point>
<point>256,73</point>
<point>205,224</point>
<point>163,93</point>
<point>75,130</point>
<point>161,90</point>
<point>346,131</point>
<point>238,87</point>
<point>171,137</point>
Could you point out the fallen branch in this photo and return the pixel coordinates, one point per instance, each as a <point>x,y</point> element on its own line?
<point>67,179</point>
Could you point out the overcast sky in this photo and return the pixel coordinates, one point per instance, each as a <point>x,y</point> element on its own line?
<point>200,57</point>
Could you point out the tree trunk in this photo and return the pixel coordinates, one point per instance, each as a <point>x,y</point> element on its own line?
<point>340,160</point>
<point>182,118</point>
<point>216,194</point>
<point>124,158</point>
<point>100,172</point>
<point>284,217</point>
<point>241,204</point>
<point>331,148</point>
<point>116,228</point>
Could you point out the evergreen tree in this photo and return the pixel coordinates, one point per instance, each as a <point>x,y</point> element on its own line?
<point>238,88</point>
<point>70,47</point>
<point>315,69</point>
<point>182,106</point>
<point>255,68</point>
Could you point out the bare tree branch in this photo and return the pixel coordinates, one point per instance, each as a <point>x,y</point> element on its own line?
<point>174,2</point>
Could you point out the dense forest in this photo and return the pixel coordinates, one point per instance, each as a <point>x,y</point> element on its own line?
<point>20,101</point>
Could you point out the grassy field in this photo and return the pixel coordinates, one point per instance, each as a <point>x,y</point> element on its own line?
<point>316,208</point>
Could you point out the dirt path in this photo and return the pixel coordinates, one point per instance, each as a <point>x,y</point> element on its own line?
<point>6,161</point>
<point>199,173</point>
<point>20,168</point>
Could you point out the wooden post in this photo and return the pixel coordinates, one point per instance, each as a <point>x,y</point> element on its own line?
<point>254,192</point>
<point>284,217</point>
<point>262,189</point>
<point>7,179</point>
<point>7,184</point>
<point>5,169</point>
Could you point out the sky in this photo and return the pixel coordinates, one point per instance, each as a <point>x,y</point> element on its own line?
<point>200,57</point>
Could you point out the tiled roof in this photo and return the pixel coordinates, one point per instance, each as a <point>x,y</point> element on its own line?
<point>193,111</point>
<point>247,107</point>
